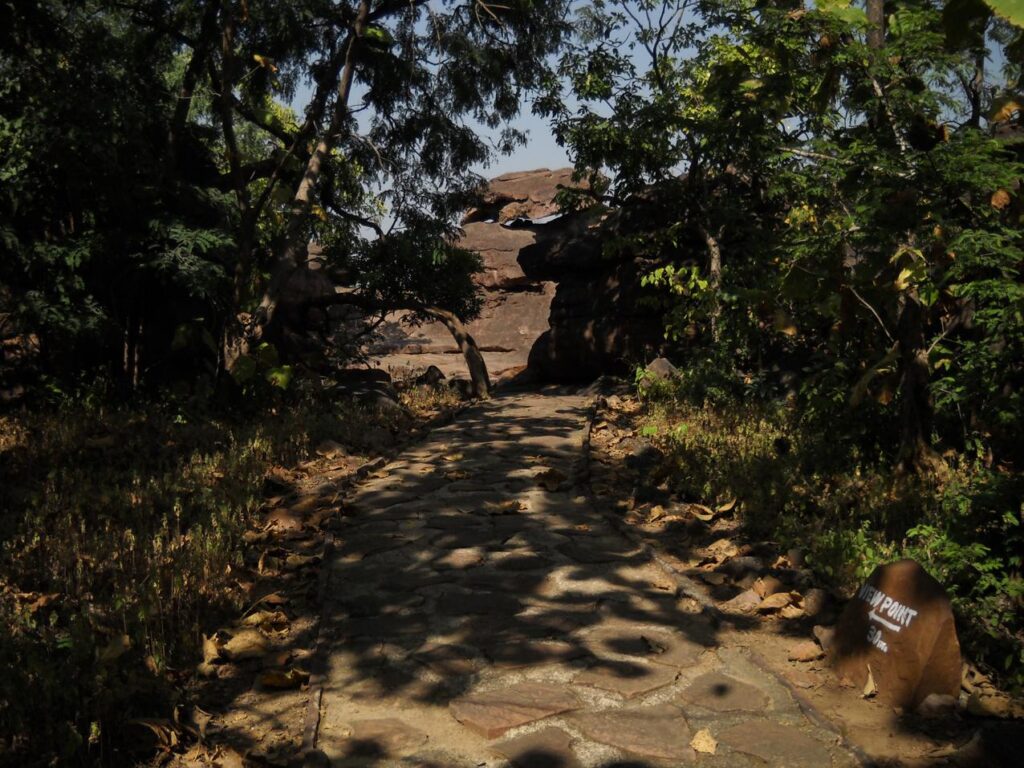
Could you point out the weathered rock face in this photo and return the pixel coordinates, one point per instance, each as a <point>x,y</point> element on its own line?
<point>521,195</point>
<point>599,322</point>
<point>900,625</point>
<point>516,306</point>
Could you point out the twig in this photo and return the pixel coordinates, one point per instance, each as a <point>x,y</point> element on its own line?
<point>871,309</point>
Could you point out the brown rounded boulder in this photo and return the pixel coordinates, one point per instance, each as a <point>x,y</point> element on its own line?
<point>899,630</point>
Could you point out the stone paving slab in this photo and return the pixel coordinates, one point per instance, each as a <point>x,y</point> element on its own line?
<point>480,613</point>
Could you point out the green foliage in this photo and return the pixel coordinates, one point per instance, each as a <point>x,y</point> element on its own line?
<point>152,175</point>
<point>850,512</point>
<point>845,251</point>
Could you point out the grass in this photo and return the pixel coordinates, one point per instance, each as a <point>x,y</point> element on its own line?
<point>120,532</point>
<point>846,508</point>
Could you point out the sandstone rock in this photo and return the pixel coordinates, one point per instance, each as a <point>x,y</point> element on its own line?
<point>806,650</point>
<point>776,744</point>
<point>814,603</point>
<point>498,246</point>
<point>745,602</point>
<point>900,630</point>
<point>522,195</point>
<point>704,742</point>
<point>491,713</point>
<point>546,748</point>
<point>627,679</point>
<point>768,585</point>
<point>659,732</point>
<point>658,370</point>
<point>723,693</point>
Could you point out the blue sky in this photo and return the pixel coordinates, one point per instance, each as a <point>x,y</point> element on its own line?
<point>540,151</point>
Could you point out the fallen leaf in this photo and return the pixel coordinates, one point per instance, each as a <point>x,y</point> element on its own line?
<point>283,679</point>
<point>161,734</point>
<point>551,479</point>
<point>245,644</point>
<point>775,602</point>
<point>264,619</point>
<point>294,562</point>
<point>870,689</point>
<point>729,506</point>
<point>704,742</point>
<point>452,457</point>
<point>1000,199</point>
<point>657,512</point>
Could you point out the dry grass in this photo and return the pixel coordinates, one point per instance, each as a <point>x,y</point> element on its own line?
<point>119,533</point>
<point>851,512</point>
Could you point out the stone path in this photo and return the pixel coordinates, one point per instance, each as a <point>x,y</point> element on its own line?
<point>480,613</point>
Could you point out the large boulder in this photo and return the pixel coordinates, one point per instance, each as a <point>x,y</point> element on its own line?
<point>516,306</point>
<point>603,320</point>
<point>898,632</point>
<point>499,248</point>
<point>521,195</point>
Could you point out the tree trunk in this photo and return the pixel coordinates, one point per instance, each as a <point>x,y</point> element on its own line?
<point>714,279</point>
<point>916,412</point>
<point>294,249</point>
<point>479,378</point>
<point>876,23</point>
<point>203,45</point>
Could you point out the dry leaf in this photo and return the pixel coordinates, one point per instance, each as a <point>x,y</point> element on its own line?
<point>704,742</point>
<point>1000,199</point>
<point>551,479</point>
<point>264,619</point>
<point>870,689</point>
<point>294,562</point>
<point>729,506</point>
<point>162,733</point>
<point>775,602</point>
<point>245,644</point>
<point>452,457</point>
<point>283,679</point>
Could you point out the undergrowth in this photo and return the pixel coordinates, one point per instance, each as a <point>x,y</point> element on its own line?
<point>814,489</point>
<point>119,531</point>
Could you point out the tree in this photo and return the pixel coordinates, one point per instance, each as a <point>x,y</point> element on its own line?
<point>831,164</point>
<point>159,184</point>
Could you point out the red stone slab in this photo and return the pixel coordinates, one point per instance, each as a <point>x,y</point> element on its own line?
<point>491,713</point>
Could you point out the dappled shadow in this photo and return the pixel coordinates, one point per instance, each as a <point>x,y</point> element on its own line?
<point>478,555</point>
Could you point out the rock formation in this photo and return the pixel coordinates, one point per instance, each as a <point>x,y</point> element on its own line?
<point>516,307</point>
<point>600,322</point>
